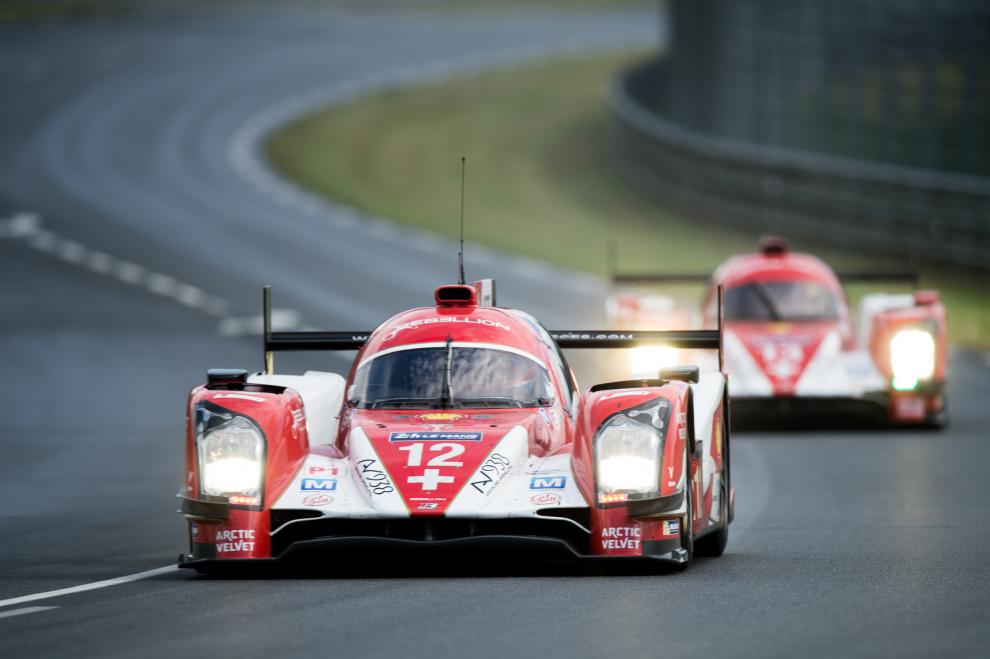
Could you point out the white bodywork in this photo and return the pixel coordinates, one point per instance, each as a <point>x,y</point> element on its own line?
<point>708,392</point>
<point>322,394</point>
<point>512,495</point>
<point>831,371</point>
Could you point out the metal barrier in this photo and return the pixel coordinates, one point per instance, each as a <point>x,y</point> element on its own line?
<point>915,214</point>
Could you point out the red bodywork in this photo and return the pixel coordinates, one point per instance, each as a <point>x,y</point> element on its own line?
<point>783,350</point>
<point>564,426</point>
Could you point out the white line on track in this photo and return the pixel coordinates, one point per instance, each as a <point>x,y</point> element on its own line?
<point>27,227</point>
<point>96,585</point>
<point>26,610</point>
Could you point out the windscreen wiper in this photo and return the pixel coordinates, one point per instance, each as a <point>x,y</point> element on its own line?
<point>446,395</point>
<point>403,402</point>
<point>767,299</point>
<point>490,401</point>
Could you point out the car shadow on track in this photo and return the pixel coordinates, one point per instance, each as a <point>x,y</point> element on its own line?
<point>433,565</point>
<point>753,422</point>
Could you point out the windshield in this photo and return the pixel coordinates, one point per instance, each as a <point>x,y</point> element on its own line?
<point>479,377</point>
<point>781,301</point>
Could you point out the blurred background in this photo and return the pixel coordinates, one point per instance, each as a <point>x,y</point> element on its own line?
<point>161,160</point>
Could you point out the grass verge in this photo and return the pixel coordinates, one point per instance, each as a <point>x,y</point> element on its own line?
<point>542,176</point>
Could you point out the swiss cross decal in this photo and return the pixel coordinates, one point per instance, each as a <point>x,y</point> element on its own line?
<point>430,467</point>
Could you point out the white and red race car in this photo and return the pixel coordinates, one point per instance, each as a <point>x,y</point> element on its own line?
<point>790,341</point>
<point>459,426</point>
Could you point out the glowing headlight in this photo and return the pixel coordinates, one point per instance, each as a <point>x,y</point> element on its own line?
<point>628,451</point>
<point>650,359</point>
<point>912,358</point>
<point>231,459</point>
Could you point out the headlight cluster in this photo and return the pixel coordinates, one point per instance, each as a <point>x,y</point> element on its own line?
<point>231,451</point>
<point>912,358</point>
<point>629,450</point>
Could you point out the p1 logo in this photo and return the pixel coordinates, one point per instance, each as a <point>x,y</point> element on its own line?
<point>548,482</point>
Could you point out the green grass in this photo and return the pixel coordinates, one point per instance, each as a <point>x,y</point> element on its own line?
<point>542,177</point>
<point>46,10</point>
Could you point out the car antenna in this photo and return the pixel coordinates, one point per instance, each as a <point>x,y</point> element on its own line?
<point>460,252</point>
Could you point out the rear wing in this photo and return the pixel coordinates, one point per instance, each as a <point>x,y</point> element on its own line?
<point>661,278</point>
<point>870,276</point>
<point>844,276</point>
<point>710,339</point>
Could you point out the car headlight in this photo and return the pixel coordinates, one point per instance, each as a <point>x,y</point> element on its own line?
<point>628,452</point>
<point>231,460</point>
<point>912,358</point>
<point>650,359</point>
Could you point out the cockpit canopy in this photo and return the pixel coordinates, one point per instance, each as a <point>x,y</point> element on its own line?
<point>781,301</point>
<point>416,376</point>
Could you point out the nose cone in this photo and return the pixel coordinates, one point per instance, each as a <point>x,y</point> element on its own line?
<point>431,457</point>
<point>783,350</point>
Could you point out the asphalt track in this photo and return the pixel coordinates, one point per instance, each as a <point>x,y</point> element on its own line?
<point>127,140</point>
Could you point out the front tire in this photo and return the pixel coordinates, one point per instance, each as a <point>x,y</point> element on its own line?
<point>940,419</point>
<point>687,526</point>
<point>713,544</point>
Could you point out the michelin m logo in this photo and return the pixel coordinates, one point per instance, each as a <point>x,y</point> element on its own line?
<point>318,484</point>
<point>548,482</point>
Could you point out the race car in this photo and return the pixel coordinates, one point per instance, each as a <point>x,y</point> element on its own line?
<point>791,345</point>
<point>459,427</point>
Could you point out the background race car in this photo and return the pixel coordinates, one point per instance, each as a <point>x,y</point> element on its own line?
<point>791,344</point>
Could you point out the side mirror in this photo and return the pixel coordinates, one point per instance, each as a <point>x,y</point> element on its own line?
<point>686,373</point>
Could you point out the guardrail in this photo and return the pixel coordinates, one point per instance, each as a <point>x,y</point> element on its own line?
<point>919,215</point>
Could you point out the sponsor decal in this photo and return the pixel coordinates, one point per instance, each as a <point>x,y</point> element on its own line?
<point>491,473</point>
<point>375,479</point>
<point>298,421</point>
<point>545,499</point>
<point>548,482</point>
<point>256,399</point>
<point>319,470</point>
<point>441,416</point>
<point>909,408</point>
<point>234,540</point>
<point>605,336</point>
<point>672,527</point>
<point>316,500</point>
<point>430,505</point>
<point>444,319</point>
<point>435,436</point>
<point>620,537</point>
<point>318,484</point>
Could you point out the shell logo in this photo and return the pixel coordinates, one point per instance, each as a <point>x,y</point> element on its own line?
<point>441,416</point>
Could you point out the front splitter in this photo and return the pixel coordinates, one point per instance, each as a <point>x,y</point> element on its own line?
<point>538,548</point>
